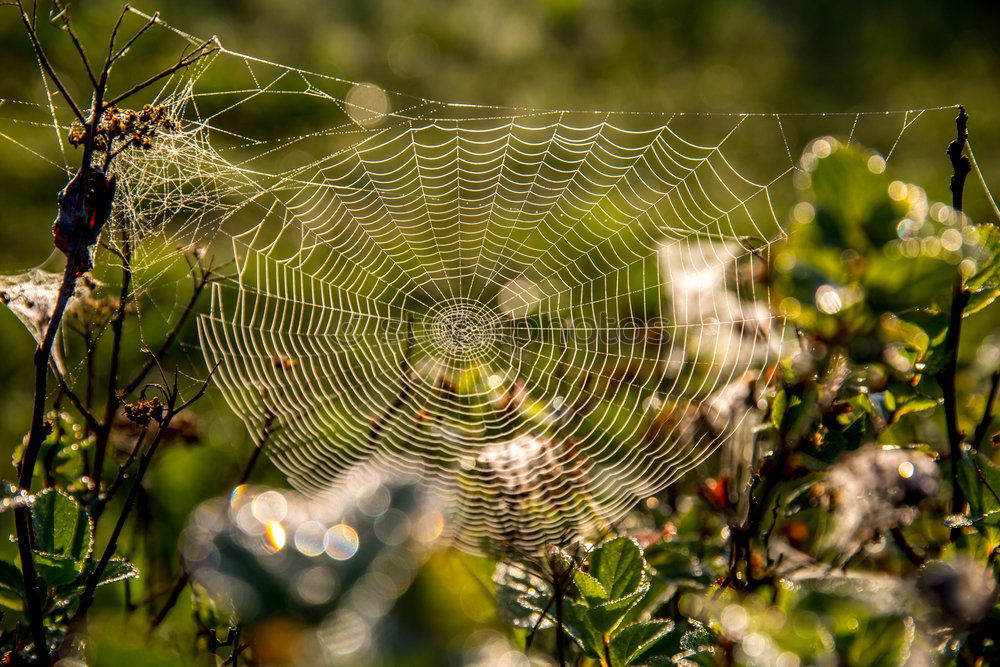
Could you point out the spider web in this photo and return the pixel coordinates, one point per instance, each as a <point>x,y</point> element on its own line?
<point>535,311</point>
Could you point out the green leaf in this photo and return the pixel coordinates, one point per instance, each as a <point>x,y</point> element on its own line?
<point>696,638</point>
<point>118,569</point>
<point>984,285</point>
<point>618,565</point>
<point>590,588</point>
<point>521,596</point>
<point>628,645</point>
<point>57,570</point>
<point>576,622</point>
<point>914,404</point>
<point>11,586</point>
<point>980,481</point>
<point>62,528</point>
<point>778,406</point>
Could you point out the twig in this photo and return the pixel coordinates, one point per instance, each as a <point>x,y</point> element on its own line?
<point>87,597</point>
<point>122,473</point>
<point>959,298</point>
<point>82,53</point>
<point>29,26</point>
<point>113,400</point>
<point>68,392</point>
<point>186,61</point>
<point>984,424</point>
<point>200,283</point>
<point>132,40</point>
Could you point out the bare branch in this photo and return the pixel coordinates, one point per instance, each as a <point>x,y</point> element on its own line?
<point>154,19</point>
<point>83,53</point>
<point>114,34</point>
<point>185,61</point>
<point>200,283</point>
<point>68,392</point>
<point>46,65</point>
<point>201,391</point>
<point>984,424</point>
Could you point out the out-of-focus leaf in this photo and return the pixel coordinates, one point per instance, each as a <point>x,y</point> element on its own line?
<point>980,481</point>
<point>984,285</point>
<point>11,586</point>
<point>778,406</point>
<point>678,566</point>
<point>521,596</point>
<point>882,640</point>
<point>913,404</point>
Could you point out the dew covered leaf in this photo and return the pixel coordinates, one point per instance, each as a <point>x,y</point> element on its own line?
<point>632,641</point>
<point>522,597</point>
<point>61,526</point>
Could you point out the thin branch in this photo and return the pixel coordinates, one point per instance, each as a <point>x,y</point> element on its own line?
<point>22,515</point>
<point>82,52</point>
<point>201,391</point>
<point>168,341</point>
<point>68,392</point>
<point>112,398</point>
<point>153,20</point>
<point>185,61</point>
<point>114,36</point>
<point>959,299</point>
<point>87,597</point>
<point>46,65</point>
<point>123,469</point>
<point>983,427</point>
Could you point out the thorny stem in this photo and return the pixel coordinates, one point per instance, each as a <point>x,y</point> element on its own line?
<point>959,298</point>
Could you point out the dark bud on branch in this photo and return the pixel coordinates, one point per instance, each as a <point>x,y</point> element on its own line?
<point>126,127</point>
<point>84,207</point>
<point>141,413</point>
